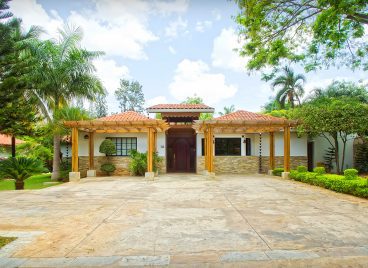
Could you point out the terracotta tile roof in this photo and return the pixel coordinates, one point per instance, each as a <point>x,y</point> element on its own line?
<point>126,116</point>
<point>245,115</point>
<point>5,140</point>
<point>180,106</point>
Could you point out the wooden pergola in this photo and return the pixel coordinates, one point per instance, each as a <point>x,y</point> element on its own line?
<point>211,127</point>
<point>149,126</point>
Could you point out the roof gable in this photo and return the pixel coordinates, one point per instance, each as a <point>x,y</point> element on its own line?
<point>180,107</point>
<point>245,115</point>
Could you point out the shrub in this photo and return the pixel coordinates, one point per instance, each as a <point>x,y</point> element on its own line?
<point>20,169</point>
<point>277,171</point>
<point>108,168</point>
<point>351,174</point>
<point>319,170</point>
<point>302,169</point>
<point>138,163</point>
<point>107,147</point>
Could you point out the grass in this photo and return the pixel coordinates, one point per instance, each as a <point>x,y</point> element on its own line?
<point>6,240</point>
<point>34,182</point>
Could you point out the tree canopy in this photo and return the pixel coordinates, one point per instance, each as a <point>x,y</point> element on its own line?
<point>198,100</point>
<point>317,33</point>
<point>130,96</point>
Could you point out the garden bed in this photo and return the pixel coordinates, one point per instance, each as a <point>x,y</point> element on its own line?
<point>5,240</point>
<point>349,183</point>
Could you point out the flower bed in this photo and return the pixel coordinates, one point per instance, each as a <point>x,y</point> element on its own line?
<point>350,183</point>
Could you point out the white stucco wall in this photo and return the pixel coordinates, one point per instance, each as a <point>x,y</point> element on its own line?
<point>321,145</point>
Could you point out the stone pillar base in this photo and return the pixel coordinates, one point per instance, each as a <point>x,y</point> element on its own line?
<point>211,175</point>
<point>149,176</point>
<point>91,173</point>
<point>270,172</point>
<point>285,175</point>
<point>74,176</point>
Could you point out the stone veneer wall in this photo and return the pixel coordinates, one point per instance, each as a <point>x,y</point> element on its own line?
<point>247,164</point>
<point>121,163</point>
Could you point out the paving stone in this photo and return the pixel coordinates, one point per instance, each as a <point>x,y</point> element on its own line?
<point>243,256</point>
<point>48,262</point>
<point>145,261</point>
<point>11,262</point>
<point>291,254</point>
<point>94,261</point>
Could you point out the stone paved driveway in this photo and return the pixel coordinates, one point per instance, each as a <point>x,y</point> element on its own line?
<point>183,220</point>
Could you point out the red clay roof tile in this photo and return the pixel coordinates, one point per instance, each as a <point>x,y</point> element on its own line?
<point>5,140</point>
<point>180,106</point>
<point>245,115</point>
<point>126,116</point>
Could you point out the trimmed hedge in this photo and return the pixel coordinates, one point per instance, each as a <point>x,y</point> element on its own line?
<point>302,169</point>
<point>277,171</point>
<point>319,170</point>
<point>351,174</point>
<point>337,183</point>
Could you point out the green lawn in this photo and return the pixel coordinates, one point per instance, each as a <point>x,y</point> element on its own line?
<point>34,182</point>
<point>5,240</point>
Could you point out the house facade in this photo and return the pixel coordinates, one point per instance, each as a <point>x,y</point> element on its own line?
<point>241,142</point>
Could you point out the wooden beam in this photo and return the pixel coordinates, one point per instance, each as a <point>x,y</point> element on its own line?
<point>287,149</point>
<point>210,150</point>
<point>150,150</point>
<point>272,151</point>
<point>75,149</point>
<point>91,151</point>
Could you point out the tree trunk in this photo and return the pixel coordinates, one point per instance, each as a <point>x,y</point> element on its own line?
<point>337,160</point>
<point>56,159</point>
<point>343,155</point>
<point>13,146</point>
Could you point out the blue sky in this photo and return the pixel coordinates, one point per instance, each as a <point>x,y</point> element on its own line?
<point>175,49</point>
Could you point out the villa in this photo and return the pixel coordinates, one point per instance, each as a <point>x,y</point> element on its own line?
<point>241,142</point>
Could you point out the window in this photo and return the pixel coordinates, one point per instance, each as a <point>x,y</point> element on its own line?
<point>228,146</point>
<point>124,145</point>
<point>247,147</point>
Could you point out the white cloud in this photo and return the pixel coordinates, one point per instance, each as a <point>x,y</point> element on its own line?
<point>172,50</point>
<point>194,77</point>
<point>33,13</point>
<point>156,100</point>
<point>176,27</point>
<point>110,74</point>
<point>177,6</point>
<point>216,14</point>
<point>223,54</point>
<point>201,26</point>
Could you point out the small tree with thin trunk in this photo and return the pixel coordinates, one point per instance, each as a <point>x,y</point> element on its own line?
<point>334,119</point>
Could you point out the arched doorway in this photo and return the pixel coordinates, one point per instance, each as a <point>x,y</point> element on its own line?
<point>181,150</point>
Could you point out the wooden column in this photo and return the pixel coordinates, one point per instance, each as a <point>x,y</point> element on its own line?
<point>205,150</point>
<point>210,150</point>
<point>272,151</point>
<point>150,142</point>
<point>91,151</point>
<point>75,149</point>
<point>287,149</point>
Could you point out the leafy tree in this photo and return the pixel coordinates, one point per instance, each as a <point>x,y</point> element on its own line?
<point>32,149</point>
<point>130,96</point>
<point>271,105</point>
<point>334,119</point>
<point>341,89</point>
<point>290,87</point>
<point>107,147</point>
<point>64,72</point>
<point>319,33</point>
<point>100,106</point>
<point>17,112</point>
<point>198,100</point>
<point>228,110</point>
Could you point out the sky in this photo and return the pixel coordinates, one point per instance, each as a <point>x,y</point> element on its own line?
<point>174,49</point>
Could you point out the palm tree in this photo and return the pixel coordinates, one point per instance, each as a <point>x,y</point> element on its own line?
<point>290,87</point>
<point>228,110</point>
<point>63,72</point>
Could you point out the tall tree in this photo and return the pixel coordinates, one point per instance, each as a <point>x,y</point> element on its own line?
<point>101,106</point>
<point>334,119</point>
<point>318,33</point>
<point>228,110</point>
<point>290,87</point>
<point>17,112</point>
<point>130,96</point>
<point>64,72</point>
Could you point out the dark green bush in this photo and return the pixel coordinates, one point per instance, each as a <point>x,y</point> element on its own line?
<point>107,147</point>
<point>277,171</point>
<point>302,169</point>
<point>138,162</point>
<point>337,183</point>
<point>319,170</point>
<point>108,168</point>
<point>351,174</point>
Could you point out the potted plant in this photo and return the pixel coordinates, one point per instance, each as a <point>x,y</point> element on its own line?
<point>19,169</point>
<point>108,148</point>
